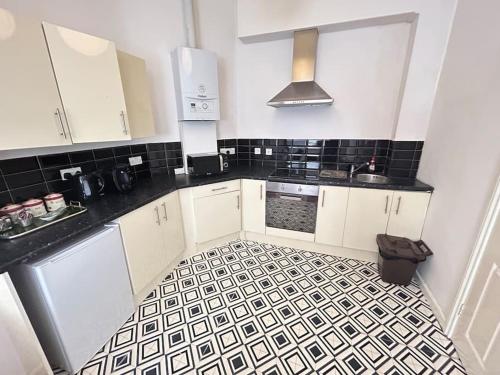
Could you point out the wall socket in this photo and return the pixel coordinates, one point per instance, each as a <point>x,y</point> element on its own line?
<point>228,150</point>
<point>256,150</point>
<point>135,160</point>
<point>71,171</point>
<point>269,151</point>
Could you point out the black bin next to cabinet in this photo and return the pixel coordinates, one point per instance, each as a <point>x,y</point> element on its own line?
<point>398,258</point>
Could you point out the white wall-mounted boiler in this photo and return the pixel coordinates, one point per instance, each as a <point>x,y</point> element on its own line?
<point>196,84</point>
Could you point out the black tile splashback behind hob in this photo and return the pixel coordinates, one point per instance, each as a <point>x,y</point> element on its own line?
<point>394,158</point>
<point>34,176</point>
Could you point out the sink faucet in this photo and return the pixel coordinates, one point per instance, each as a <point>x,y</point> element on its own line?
<point>355,168</point>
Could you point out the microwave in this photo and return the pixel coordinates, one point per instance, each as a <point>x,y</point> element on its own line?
<point>207,164</point>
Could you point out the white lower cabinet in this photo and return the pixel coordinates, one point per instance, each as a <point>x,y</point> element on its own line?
<point>368,212</point>
<point>330,220</point>
<point>408,213</point>
<point>172,228</point>
<point>253,194</point>
<point>153,237</point>
<point>217,215</point>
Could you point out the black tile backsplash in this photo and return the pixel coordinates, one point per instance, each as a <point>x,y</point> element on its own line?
<point>395,158</point>
<point>35,176</point>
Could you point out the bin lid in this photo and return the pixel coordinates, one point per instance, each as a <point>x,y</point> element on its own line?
<point>392,247</point>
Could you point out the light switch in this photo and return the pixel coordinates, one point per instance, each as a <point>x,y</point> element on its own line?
<point>256,150</point>
<point>269,151</point>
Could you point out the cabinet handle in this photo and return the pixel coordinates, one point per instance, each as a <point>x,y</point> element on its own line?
<point>122,115</point>
<point>238,201</point>
<point>221,188</point>
<point>157,216</point>
<point>386,203</point>
<point>399,204</point>
<point>323,199</point>
<point>260,191</point>
<point>59,118</point>
<point>165,211</point>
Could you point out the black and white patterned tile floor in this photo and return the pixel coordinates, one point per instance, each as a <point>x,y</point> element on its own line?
<point>251,308</point>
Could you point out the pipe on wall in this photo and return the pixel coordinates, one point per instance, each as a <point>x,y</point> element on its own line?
<point>189,25</point>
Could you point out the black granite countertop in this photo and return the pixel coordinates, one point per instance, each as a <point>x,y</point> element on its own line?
<point>112,206</point>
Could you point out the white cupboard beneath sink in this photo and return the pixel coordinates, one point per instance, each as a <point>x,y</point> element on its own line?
<point>31,112</point>
<point>331,216</point>
<point>153,238</point>
<point>217,215</point>
<point>408,213</point>
<point>88,77</point>
<point>368,211</point>
<point>253,195</point>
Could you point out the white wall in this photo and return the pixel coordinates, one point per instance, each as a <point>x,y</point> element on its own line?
<point>360,68</point>
<point>257,17</point>
<point>216,23</point>
<point>461,157</point>
<point>149,30</point>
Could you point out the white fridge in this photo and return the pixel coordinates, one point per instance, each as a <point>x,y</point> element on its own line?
<point>77,298</point>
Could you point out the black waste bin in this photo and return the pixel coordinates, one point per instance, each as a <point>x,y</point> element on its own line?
<point>398,258</point>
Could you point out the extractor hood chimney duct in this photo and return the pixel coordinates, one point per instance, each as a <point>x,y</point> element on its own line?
<point>303,90</point>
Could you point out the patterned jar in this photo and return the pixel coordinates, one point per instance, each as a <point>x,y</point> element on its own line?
<point>35,206</point>
<point>54,201</point>
<point>13,211</point>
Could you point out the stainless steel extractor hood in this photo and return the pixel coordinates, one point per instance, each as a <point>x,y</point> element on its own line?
<point>303,90</point>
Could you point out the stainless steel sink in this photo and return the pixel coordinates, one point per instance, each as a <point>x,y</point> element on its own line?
<point>372,178</point>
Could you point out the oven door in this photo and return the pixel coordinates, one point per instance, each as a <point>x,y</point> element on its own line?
<point>291,211</point>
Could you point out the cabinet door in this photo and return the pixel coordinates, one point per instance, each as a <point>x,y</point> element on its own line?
<point>331,215</point>
<point>172,229</point>
<point>253,194</point>
<point>217,216</point>
<point>136,89</point>
<point>367,215</point>
<point>143,241</point>
<point>88,76</point>
<point>30,109</point>
<point>408,213</point>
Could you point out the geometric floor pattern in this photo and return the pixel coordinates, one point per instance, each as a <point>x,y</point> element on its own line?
<point>251,308</point>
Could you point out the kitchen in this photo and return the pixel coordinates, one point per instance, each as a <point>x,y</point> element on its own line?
<point>262,255</point>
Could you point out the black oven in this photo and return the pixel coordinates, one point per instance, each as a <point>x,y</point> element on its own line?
<point>291,206</point>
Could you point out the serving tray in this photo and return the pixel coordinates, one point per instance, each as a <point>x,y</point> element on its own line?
<point>74,208</point>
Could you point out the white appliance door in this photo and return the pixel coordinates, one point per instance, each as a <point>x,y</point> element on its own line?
<point>87,289</point>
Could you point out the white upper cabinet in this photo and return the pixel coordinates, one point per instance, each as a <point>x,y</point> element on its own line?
<point>408,213</point>
<point>31,112</point>
<point>367,215</point>
<point>331,215</point>
<point>88,77</point>
<point>137,98</point>
<point>253,193</point>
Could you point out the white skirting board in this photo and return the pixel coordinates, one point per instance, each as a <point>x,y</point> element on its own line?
<point>432,301</point>
<point>368,256</point>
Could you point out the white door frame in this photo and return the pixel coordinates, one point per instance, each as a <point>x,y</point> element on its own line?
<point>493,212</point>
